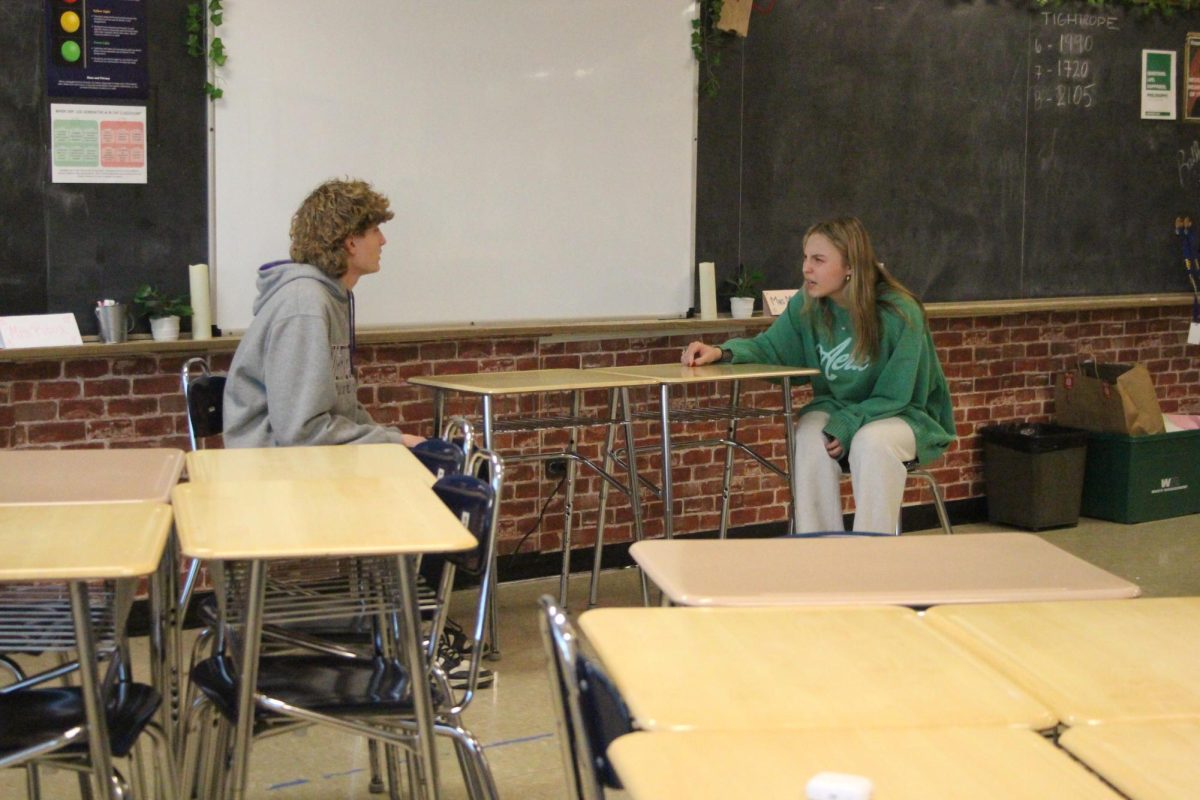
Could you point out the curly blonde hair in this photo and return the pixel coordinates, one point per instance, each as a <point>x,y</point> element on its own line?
<point>332,213</point>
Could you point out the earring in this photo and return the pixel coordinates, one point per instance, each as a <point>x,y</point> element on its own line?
<point>847,277</point>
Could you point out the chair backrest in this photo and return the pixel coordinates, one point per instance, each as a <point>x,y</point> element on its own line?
<point>204,396</point>
<point>448,454</point>
<point>476,502</point>
<point>589,710</point>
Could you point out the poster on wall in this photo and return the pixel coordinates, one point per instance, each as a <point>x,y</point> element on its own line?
<point>96,48</point>
<point>97,143</point>
<point>1191,92</point>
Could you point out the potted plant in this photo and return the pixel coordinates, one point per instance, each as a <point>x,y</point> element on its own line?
<point>742,290</point>
<point>163,312</point>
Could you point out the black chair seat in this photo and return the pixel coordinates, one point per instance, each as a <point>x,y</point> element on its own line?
<point>325,684</point>
<point>32,716</point>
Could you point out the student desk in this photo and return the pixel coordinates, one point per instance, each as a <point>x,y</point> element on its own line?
<point>88,476</point>
<point>915,571</point>
<point>1145,760</point>
<point>260,521</point>
<point>76,543</point>
<point>307,463</point>
<point>907,764</point>
<point>490,385</point>
<point>1090,661</point>
<point>789,668</point>
<point>112,476</point>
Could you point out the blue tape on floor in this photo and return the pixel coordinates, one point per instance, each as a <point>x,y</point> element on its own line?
<point>329,775</point>
<point>522,740</point>
<point>288,784</point>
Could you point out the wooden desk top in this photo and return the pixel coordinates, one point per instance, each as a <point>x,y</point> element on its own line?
<point>88,476</point>
<point>915,764</point>
<point>1145,760</point>
<point>314,518</point>
<point>82,541</point>
<point>900,570</point>
<point>528,381</point>
<point>1090,661</point>
<point>307,463</point>
<point>677,373</point>
<point>787,668</point>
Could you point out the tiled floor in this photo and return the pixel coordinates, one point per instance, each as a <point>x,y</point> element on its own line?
<point>514,718</point>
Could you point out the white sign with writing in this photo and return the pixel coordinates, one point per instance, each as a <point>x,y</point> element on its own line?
<point>1158,84</point>
<point>776,300</point>
<point>39,330</point>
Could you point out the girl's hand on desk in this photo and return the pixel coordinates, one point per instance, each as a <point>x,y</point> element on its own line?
<point>698,354</point>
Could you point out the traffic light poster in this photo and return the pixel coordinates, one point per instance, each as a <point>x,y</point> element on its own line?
<point>97,143</point>
<point>96,48</point>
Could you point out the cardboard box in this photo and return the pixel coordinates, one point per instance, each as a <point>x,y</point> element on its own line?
<point>1142,478</point>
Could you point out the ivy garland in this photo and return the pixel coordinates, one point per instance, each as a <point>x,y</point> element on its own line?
<point>706,42</point>
<point>196,37</point>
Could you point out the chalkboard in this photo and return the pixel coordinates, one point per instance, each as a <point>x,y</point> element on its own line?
<point>63,246</point>
<point>993,149</point>
<point>539,154</point>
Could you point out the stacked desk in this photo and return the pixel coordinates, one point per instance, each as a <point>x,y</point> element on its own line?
<point>340,508</point>
<point>108,541</point>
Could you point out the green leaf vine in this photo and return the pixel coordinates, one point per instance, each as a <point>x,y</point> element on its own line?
<point>196,37</point>
<point>706,45</point>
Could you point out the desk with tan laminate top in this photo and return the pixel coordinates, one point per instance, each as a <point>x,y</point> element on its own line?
<point>489,386</point>
<point>1145,760</point>
<point>914,571</point>
<point>109,541</point>
<point>905,764</point>
<point>89,476</point>
<point>264,520</point>
<point>307,463</point>
<point>800,667</point>
<point>1090,661</point>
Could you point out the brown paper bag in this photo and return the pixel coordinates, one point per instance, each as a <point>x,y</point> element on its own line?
<point>1115,398</point>
<point>735,17</point>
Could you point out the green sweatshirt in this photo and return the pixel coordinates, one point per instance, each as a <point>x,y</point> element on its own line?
<point>905,381</point>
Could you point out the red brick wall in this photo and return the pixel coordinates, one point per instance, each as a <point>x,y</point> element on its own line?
<point>1000,368</point>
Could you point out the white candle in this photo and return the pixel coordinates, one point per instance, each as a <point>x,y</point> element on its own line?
<point>708,290</point>
<point>201,306</point>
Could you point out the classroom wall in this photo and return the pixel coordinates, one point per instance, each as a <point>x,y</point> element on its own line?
<point>1000,368</point>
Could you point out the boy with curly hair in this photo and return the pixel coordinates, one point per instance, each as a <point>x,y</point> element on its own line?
<point>292,378</point>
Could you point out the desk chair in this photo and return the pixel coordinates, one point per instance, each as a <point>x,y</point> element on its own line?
<point>589,711</point>
<point>365,695</point>
<point>204,397</point>
<point>48,726</point>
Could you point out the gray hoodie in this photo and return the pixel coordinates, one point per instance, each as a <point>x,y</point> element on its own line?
<point>292,381</point>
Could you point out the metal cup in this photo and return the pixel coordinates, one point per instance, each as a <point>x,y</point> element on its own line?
<point>115,323</point>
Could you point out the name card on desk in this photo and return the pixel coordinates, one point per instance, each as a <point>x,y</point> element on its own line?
<point>776,300</point>
<point>39,330</point>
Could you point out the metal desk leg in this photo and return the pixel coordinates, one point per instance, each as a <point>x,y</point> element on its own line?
<point>439,411</point>
<point>103,779</point>
<point>790,435</point>
<point>598,550</point>
<point>635,486</point>
<point>568,511</point>
<point>493,628</point>
<point>730,433</point>
<point>668,499</point>
<point>243,733</point>
<point>164,663</point>
<point>410,617</point>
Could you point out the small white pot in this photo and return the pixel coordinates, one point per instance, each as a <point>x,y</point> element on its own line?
<point>742,307</point>
<point>164,329</point>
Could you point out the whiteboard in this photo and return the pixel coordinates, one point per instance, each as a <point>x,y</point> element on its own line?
<point>539,154</point>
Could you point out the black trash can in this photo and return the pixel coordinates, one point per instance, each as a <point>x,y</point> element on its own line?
<point>1034,473</point>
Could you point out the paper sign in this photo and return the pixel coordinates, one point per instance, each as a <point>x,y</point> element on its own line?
<point>39,330</point>
<point>97,144</point>
<point>1194,333</point>
<point>735,17</point>
<point>775,301</point>
<point>1158,84</point>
